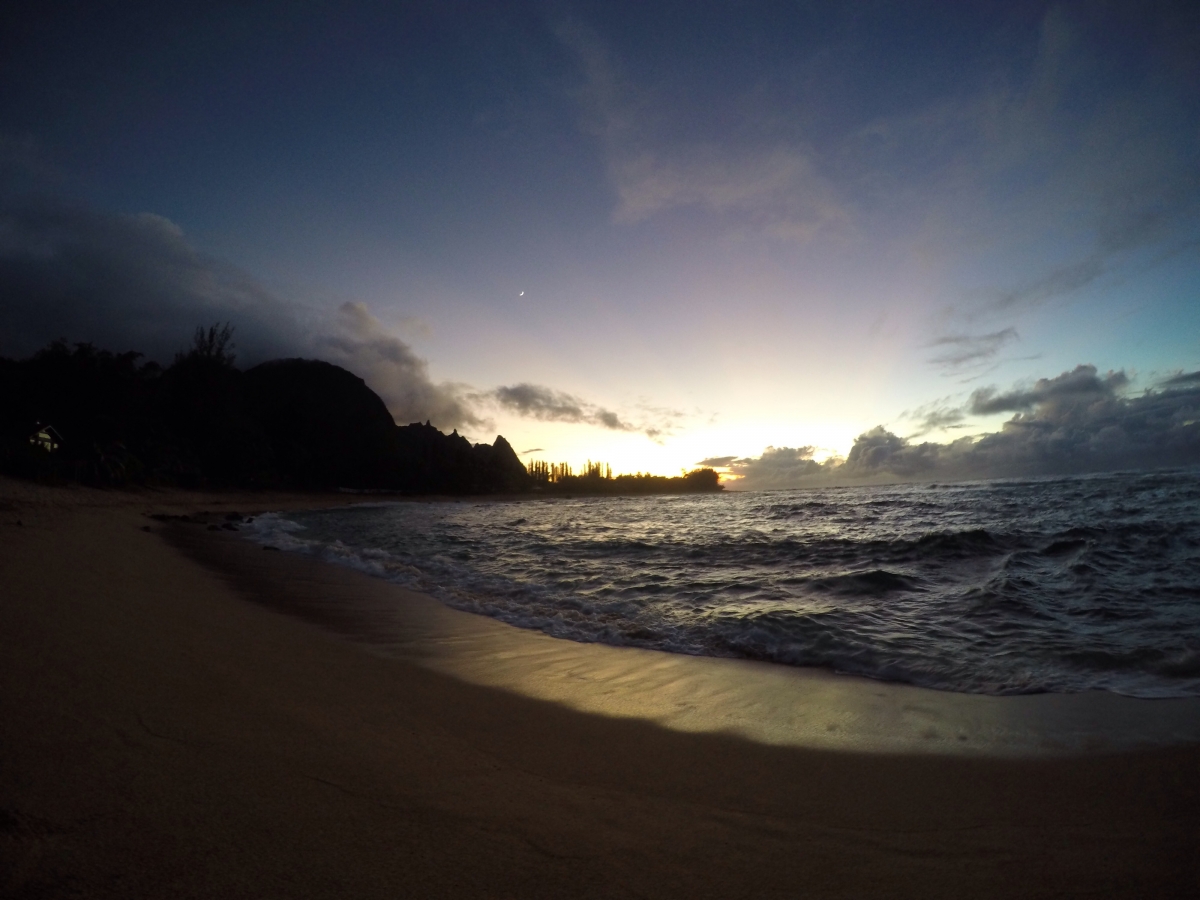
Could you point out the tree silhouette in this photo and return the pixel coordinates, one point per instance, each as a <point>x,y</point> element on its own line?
<point>213,345</point>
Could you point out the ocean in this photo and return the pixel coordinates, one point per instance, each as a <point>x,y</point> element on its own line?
<point>990,587</point>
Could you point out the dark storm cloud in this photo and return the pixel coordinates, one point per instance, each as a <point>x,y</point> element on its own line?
<point>1079,421</point>
<point>135,282</point>
<point>122,281</point>
<point>1055,437</point>
<point>1080,385</point>
<point>1183,380</point>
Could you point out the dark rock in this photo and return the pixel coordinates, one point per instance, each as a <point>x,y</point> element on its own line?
<point>326,427</point>
<point>437,463</point>
<point>203,423</point>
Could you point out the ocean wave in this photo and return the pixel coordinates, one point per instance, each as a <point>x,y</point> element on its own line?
<point>1003,587</point>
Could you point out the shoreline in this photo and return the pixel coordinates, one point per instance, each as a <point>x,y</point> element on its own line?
<point>162,736</point>
<point>761,701</point>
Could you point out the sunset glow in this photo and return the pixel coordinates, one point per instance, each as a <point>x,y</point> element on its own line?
<point>771,229</point>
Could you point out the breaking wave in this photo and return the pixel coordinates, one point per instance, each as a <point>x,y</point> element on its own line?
<point>1003,587</point>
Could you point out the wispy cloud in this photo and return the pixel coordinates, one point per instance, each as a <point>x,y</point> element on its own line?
<point>961,351</point>
<point>1065,170</point>
<point>935,417</point>
<point>1059,282</point>
<point>772,185</point>
<point>546,404</point>
<point>1056,166</point>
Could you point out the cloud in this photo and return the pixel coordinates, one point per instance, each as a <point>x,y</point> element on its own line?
<point>964,350</point>
<point>778,467</point>
<point>943,414</point>
<point>123,281</point>
<point>1116,155</point>
<point>1184,379</point>
<point>936,418</point>
<point>358,342</point>
<point>546,404</point>
<point>656,163</point>
<point>1082,385</point>
<point>135,282</point>
<point>1064,167</point>
<point>1076,422</point>
<point>1065,279</point>
<point>1038,173</point>
<point>537,402</point>
<point>776,188</point>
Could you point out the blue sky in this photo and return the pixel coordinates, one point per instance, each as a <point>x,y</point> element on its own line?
<point>652,234</point>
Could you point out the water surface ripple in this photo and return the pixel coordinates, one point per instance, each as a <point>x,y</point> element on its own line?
<point>1000,587</point>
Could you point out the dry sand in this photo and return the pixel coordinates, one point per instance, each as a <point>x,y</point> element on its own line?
<point>179,717</point>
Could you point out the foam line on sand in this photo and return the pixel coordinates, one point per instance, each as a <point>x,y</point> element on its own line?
<point>761,701</point>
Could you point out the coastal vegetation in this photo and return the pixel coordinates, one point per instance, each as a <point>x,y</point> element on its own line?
<point>80,413</point>
<point>597,478</point>
<point>203,422</point>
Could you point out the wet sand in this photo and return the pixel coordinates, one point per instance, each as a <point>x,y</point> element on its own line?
<point>184,715</point>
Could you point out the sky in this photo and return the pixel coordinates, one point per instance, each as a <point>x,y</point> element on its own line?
<point>798,241</point>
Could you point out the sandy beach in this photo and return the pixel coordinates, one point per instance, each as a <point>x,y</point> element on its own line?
<point>184,714</point>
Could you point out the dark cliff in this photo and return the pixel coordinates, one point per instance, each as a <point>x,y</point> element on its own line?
<point>287,423</point>
<point>325,426</point>
<point>449,463</point>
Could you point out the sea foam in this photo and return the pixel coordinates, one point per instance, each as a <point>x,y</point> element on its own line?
<point>1001,587</point>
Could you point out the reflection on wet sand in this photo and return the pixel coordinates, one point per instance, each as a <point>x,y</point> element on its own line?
<point>760,701</point>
